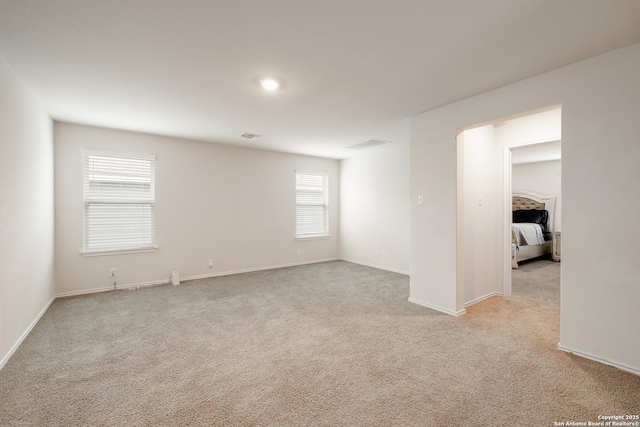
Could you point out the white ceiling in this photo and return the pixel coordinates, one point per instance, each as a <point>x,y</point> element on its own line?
<point>352,70</point>
<point>537,153</point>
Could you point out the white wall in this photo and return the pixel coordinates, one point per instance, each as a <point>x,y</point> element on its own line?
<point>231,204</point>
<point>482,198</point>
<point>482,213</point>
<point>542,178</point>
<point>545,126</point>
<point>526,133</point>
<point>26,211</point>
<point>374,207</point>
<point>600,134</point>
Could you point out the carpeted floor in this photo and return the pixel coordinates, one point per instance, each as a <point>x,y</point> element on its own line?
<point>323,344</point>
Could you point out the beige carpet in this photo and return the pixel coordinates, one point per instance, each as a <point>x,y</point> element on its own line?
<point>324,344</point>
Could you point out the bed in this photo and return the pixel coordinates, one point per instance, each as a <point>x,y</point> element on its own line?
<point>532,226</point>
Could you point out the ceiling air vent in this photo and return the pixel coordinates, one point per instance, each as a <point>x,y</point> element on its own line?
<point>368,144</point>
<point>250,135</point>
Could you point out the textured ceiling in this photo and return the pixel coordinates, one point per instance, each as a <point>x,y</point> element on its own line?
<point>351,70</point>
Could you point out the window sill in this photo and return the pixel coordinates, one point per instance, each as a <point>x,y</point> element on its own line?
<point>119,252</point>
<point>313,237</point>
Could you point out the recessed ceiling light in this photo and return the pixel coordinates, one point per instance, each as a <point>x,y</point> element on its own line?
<point>269,84</point>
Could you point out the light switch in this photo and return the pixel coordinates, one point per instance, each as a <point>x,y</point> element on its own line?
<point>421,200</point>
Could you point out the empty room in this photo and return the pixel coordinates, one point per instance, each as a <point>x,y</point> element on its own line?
<point>319,213</point>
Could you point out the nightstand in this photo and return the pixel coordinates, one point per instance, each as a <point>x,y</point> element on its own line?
<point>556,245</point>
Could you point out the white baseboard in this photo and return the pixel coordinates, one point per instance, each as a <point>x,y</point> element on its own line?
<point>482,298</point>
<point>35,321</point>
<point>187,278</point>
<point>435,307</point>
<point>620,366</point>
<point>251,270</point>
<point>379,267</point>
<point>83,292</point>
<point>110,288</point>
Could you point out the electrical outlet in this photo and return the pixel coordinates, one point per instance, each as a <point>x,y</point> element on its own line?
<point>298,252</point>
<point>378,255</point>
<point>112,272</point>
<point>210,262</point>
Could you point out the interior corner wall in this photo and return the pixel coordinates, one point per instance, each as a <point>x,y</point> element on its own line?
<point>374,207</point>
<point>482,214</point>
<point>600,134</point>
<point>26,211</point>
<point>231,204</point>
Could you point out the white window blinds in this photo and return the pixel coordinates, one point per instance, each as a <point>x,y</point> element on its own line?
<point>312,200</point>
<point>119,202</point>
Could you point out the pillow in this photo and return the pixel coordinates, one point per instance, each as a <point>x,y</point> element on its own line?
<point>535,216</point>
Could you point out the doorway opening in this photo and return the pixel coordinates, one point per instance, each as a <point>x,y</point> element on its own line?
<point>535,188</point>
<point>485,195</point>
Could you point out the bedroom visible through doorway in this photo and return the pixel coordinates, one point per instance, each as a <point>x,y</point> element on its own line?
<point>485,195</point>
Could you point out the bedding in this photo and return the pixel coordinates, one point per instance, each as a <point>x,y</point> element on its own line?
<point>527,234</point>
<point>532,223</point>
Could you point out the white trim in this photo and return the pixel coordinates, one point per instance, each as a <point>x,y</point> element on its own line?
<point>326,234</point>
<point>379,267</point>
<point>482,298</point>
<point>507,216</point>
<point>311,172</point>
<point>251,270</point>
<point>35,321</point>
<point>184,279</point>
<point>84,292</point>
<point>312,237</point>
<point>117,288</point>
<point>620,366</point>
<point>435,307</point>
<point>90,199</point>
<point>119,252</point>
<point>105,153</point>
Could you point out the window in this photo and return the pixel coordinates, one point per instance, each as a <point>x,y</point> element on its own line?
<point>312,205</point>
<point>119,202</point>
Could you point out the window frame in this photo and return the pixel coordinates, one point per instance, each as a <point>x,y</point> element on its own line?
<point>86,200</point>
<point>326,232</point>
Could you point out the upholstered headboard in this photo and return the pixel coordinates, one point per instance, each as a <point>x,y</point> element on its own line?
<point>520,202</point>
<point>522,199</point>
